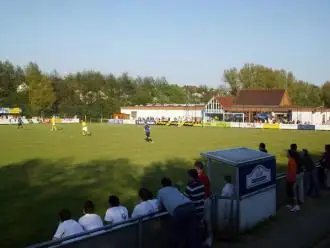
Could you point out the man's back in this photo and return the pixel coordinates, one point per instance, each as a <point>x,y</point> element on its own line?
<point>195,191</point>
<point>116,214</point>
<point>170,198</point>
<point>68,228</point>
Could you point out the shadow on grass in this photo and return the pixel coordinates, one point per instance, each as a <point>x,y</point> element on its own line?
<point>34,191</point>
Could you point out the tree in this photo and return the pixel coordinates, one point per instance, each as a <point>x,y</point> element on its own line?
<point>41,91</point>
<point>231,77</point>
<point>98,95</point>
<point>326,94</point>
<point>258,76</point>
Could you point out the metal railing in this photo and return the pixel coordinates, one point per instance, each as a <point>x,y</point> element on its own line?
<point>136,233</point>
<point>145,232</point>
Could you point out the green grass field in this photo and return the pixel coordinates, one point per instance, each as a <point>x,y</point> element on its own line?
<point>43,171</point>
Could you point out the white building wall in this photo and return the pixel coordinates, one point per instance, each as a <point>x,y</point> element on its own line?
<point>144,113</point>
<point>310,117</point>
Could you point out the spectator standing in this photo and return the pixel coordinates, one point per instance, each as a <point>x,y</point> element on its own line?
<point>195,192</point>
<point>116,213</point>
<point>291,178</point>
<point>144,207</point>
<point>203,178</point>
<point>325,162</point>
<point>67,226</point>
<point>300,173</point>
<point>184,221</point>
<point>90,221</point>
<point>262,147</point>
<point>311,174</point>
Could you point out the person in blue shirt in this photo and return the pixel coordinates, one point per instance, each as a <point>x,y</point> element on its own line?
<point>19,122</point>
<point>147,132</point>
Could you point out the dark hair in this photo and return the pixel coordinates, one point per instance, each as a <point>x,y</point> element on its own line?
<point>199,165</point>
<point>228,178</point>
<point>114,201</point>
<point>166,182</point>
<point>327,148</point>
<point>144,194</point>
<point>89,207</point>
<point>193,173</point>
<point>150,195</point>
<point>293,147</point>
<point>64,214</point>
<point>262,145</point>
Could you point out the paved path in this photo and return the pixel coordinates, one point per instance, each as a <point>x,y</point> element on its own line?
<point>303,229</point>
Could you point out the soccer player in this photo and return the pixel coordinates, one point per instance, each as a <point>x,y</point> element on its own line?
<point>19,122</point>
<point>84,128</point>
<point>147,132</point>
<point>54,128</point>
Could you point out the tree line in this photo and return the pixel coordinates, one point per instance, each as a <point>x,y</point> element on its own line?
<point>95,94</point>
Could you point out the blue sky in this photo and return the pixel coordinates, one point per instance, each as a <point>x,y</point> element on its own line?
<point>187,41</point>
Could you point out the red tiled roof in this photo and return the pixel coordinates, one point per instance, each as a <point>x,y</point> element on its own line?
<point>226,101</point>
<point>262,97</point>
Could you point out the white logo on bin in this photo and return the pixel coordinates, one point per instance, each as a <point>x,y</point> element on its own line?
<point>259,175</point>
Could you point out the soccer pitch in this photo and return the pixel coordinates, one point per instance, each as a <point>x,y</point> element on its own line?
<point>43,171</point>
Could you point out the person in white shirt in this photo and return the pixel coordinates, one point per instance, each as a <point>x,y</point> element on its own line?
<point>67,226</point>
<point>153,202</point>
<point>90,220</point>
<point>228,189</point>
<point>145,206</point>
<point>116,213</point>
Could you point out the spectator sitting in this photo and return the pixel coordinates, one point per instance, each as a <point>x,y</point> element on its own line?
<point>183,215</point>
<point>67,226</point>
<point>291,179</point>
<point>311,174</point>
<point>153,202</point>
<point>145,207</point>
<point>262,147</point>
<point>195,192</point>
<point>90,220</point>
<point>228,189</point>
<point>116,213</point>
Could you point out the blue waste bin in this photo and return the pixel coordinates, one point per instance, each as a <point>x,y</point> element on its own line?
<point>253,175</point>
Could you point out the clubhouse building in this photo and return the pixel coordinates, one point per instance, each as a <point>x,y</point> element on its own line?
<point>249,105</point>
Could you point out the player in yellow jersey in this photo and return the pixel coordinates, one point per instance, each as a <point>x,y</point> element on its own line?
<point>84,128</point>
<point>54,128</point>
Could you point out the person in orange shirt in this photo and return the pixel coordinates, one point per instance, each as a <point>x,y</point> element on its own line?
<point>291,182</point>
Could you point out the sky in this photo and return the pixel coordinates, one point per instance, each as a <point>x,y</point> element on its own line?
<point>187,41</point>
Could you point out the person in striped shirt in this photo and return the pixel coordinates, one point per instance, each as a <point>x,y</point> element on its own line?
<point>195,191</point>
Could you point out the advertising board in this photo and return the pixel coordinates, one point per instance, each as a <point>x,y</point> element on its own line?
<point>271,126</point>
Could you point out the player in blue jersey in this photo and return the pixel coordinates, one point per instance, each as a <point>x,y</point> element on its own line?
<point>19,122</point>
<point>147,132</point>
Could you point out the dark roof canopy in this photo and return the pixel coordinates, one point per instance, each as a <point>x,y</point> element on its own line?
<point>261,97</point>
